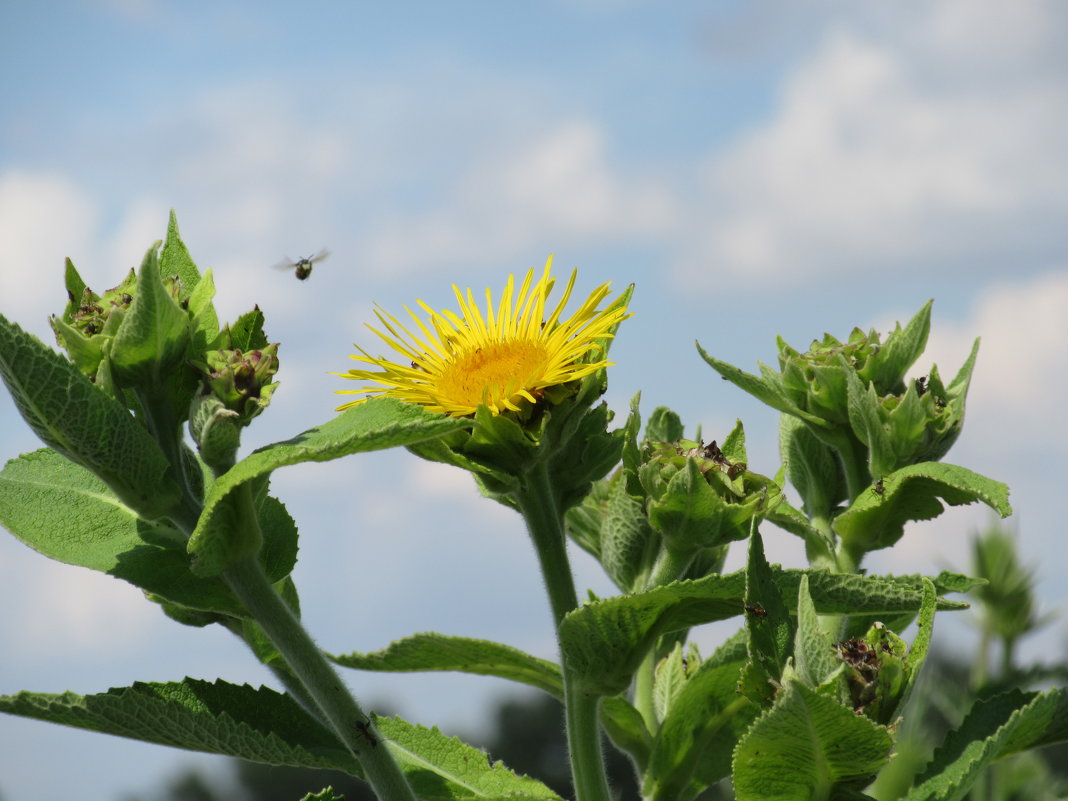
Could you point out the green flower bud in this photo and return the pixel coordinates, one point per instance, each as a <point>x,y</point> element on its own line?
<point>216,430</point>
<point>876,672</point>
<point>242,381</point>
<point>700,498</point>
<point>90,321</point>
<point>919,425</point>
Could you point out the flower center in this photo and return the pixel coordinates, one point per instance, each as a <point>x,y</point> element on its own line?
<point>491,373</point>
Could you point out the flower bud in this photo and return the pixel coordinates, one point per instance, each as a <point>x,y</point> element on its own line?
<point>876,671</point>
<point>242,381</point>
<point>90,321</point>
<point>700,498</point>
<point>216,430</point>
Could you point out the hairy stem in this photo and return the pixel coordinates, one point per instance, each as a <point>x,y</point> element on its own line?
<point>322,684</point>
<point>538,505</point>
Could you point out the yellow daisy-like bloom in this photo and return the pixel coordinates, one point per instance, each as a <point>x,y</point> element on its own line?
<point>501,360</point>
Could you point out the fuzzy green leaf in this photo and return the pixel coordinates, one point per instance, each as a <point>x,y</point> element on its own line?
<point>375,425</point>
<point>764,389</point>
<point>693,746</point>
<point>771,629</point>
<point>260,725</point>
<point>814,658</point>
<point>806,745</point>
<point>64,512</point>
<point>154,335</point>
<point>604,641</point>
<point>903,347</point>
<point>442,768</point>
<point>463,654</point>
<point>79,421</point>
<point>175,258</point>
<point>628,544</point>
<point>995,727</point>
<point>812,467</point>
<point>626,728</point>
<point>876,518</point>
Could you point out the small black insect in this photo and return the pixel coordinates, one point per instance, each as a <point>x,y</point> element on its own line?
<point>364,728</point>
<point>303,266</point>
<point>878,489</point>
<point>756,610</point>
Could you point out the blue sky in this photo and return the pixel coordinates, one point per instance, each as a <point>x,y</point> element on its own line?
<point>753,169</point>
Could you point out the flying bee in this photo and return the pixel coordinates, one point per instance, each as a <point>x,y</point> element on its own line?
<point>303,266</point>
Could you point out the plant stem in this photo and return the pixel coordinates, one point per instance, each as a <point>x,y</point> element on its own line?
<point>337,705</point>
<point>538,505</point>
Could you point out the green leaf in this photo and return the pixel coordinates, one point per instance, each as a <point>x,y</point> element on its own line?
<point>763,389</point>
<point>866,421</point>
<point>175,259</point>
<point>326,794</point>
<point>628,544</point>
<point>767,619</point>
<point>920,646</point>
<point>433,651</point>
<point>64,512</point>
<point>814,658</point>
<point>375,425</point>
<point>205,320</point>
<point>876,518</point>
<point>79,421</point>
<point>733,446</point>
<point>664,426</point>
<point>693,746</point>
<point>260,725</point>
<point>944,582</point>
<point>154,335</point>
<point>74,284</point>
<point>903,347</point>
<point>811,466</point>
<point>995,727</point>
<point>247,333</point>
<point>604,641</point>
<point>625,727</point>
<point>804,747</point>
<point>442,768</point>
<point>631,453</point>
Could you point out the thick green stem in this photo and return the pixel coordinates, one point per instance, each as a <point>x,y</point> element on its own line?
<point>335,702</point>
<point>307,664</point>
<point>538,505</point>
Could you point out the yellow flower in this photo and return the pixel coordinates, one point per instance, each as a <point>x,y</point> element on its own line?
<point>501,360</point>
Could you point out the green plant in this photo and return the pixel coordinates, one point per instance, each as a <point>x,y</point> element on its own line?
<point>803,702</point>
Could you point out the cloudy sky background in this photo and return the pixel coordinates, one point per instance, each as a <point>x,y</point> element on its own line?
<point>753,170</point>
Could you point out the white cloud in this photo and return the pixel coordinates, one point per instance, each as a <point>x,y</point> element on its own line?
<point>883,150</point>
<point>57,607</point>
<point>44,217</point>
<point>1020,379</point>
<point>558,187</point>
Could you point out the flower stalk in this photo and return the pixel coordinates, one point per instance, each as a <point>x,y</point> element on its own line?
<point>337,707</point>
<point>539,507</point>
